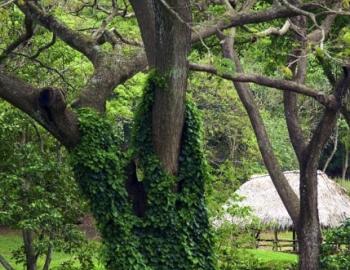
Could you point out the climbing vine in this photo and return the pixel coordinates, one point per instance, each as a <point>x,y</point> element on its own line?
<point>173,232</point>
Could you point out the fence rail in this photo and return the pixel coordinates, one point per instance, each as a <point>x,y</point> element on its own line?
<point>277,244</point>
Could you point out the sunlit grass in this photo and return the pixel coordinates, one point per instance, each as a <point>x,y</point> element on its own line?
<point>12,241</point>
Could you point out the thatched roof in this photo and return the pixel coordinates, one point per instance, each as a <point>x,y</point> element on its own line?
<point>261,196</point>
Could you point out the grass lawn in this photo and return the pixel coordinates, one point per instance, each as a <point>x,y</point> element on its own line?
<point>11,241</point>
<point>268,256</point>
<point>274,260</point>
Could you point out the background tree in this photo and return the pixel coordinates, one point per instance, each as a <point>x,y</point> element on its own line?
<point>38,194</point>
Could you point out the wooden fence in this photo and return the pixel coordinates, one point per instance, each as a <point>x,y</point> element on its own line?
<point>278,244</point>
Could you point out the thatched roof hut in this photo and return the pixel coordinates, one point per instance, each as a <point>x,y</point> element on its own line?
<point>261,196</point>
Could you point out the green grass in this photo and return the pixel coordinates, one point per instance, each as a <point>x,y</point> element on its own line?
<point>269,256</point>
<point>274,260</point>
<point>12,241</point>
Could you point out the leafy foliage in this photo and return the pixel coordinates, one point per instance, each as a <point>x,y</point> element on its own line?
<point>335,251</point>
<point>174,232</point>
<point>38,192</point>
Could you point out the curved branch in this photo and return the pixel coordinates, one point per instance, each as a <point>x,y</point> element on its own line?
<point>284,85</point>
<point>283,188</point>
<point>28,23</point>
<point>111,70</point>
<point>74,39</point>
<point>5,263</point>
<point>45,47</point>
<point>243,18</point>
<point>328,121</point>
<point>47,106</point>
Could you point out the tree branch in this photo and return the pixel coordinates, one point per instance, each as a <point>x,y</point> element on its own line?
<point>7,3</point>
<point>290,100</point>
<point>46,106</point>
<point>45,47</point>
<point>285,85</point>
<point>28,23</point>
<point>243,18</point>
<point>328,121</point>
<point>275,31</point>
<point>47,67</point>
<point>334,150</point>
<point>5,263</point>
<point>283,188</point>
<point>74,39</point>
<point>110,71</point>
<point>144,11</point>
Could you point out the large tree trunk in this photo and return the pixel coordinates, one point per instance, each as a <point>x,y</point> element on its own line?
<point>309,233</point>
<point>29,249</point>
<point>173,41</point>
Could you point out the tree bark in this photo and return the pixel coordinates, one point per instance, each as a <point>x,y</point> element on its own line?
<point>5,263</point>
<point>309,233</point>
<point>29,250</point>
<point>288,196</point>
<point>335,147</point>
<point>48,258</point>
<point>171,66</point>
<point>309,230</point>
<point>346,163</point>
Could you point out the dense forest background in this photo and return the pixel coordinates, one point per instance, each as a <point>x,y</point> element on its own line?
<point>38,194</point>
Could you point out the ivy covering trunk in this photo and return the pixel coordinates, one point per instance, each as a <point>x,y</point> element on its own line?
<point>158,221</point>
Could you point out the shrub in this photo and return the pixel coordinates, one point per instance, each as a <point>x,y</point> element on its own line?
<point>335,251</point>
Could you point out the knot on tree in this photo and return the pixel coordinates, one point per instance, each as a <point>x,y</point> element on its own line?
<point>53,99</point>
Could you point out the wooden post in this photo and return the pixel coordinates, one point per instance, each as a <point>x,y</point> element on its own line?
<point>257,239</point>
<point>294,241</point>
<point>275,242</point>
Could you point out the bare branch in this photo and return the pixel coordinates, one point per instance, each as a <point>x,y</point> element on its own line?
<point>328,121</point>
<point>319,35</point>
<point>7,3</point>
<point>3,261</point>
<point>298,63</point>
<point>45,47</point>
<point>285,85</point>
<point>74,39</point>
<point>104,25</point>
<point>28,23</point>
<point>275,31</point>
<point>243,18</point>
<point>125,40</point>
<point>335,148</point>
<point>49,68</point>
<point>300,11</point>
